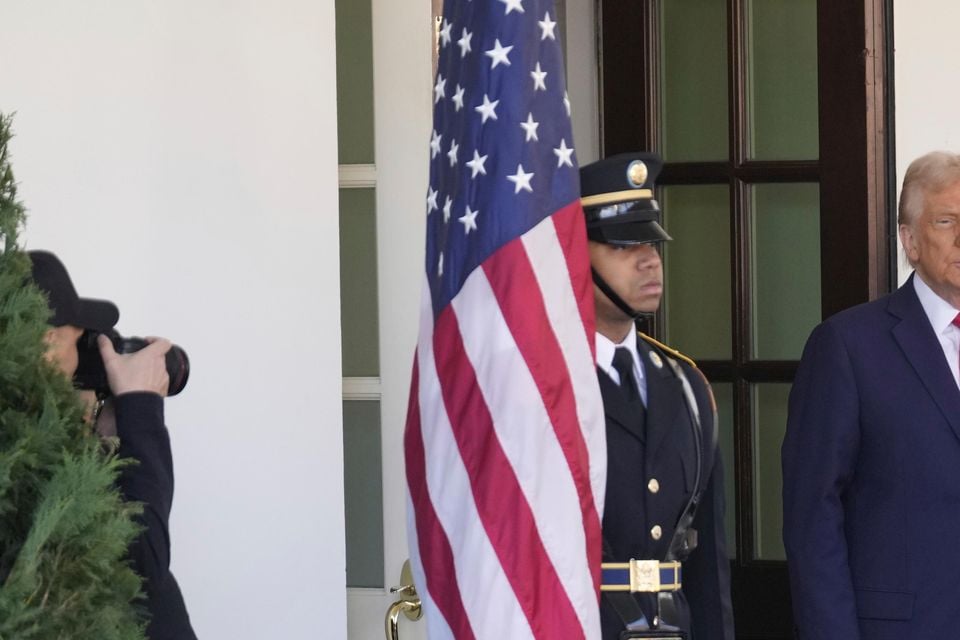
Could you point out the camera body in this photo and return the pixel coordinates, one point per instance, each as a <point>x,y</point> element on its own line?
<point>92,375</point>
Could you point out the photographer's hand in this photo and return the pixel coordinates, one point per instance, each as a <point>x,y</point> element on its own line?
<point>144,370</point>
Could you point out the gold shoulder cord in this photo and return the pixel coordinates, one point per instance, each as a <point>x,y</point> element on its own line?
<point>676,354</point>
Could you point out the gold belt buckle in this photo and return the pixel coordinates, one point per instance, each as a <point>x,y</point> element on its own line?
<point>645,576</point>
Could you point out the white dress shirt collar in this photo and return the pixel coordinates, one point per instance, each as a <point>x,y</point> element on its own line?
<point>605,350</point>
<point>941,313</point>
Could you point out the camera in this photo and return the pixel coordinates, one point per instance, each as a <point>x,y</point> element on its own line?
<point>92,375</point>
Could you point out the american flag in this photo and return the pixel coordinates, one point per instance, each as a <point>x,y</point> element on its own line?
<point>505,443</point>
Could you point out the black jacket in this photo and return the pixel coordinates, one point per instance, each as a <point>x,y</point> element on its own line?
<point>144,438</point>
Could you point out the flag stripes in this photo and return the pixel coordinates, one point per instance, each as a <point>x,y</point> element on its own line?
<point>500,356</point>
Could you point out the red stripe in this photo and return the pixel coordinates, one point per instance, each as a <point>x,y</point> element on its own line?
<point>504,511</point>
<point>436,554</point>
<point>515,286</point>
<point>573,241</point>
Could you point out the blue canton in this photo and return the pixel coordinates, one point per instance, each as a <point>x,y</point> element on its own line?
<point>501,150</point>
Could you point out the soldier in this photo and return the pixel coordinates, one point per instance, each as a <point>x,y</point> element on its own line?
<point>666,572</point>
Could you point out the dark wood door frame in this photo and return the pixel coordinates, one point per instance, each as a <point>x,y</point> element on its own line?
<point>855,149</point>
<point>857,191</point>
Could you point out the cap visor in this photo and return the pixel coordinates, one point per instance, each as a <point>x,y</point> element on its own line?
<point>629,233</point>
<point>96,314</point>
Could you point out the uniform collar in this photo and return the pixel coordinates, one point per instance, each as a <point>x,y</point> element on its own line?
<point>605,351</point>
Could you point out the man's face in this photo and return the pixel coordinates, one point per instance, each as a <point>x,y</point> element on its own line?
<point>932,243</point>
<point>634,272</point>
<point>62,348</point>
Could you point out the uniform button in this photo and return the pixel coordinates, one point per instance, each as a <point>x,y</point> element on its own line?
<point>656,532</point>
<point>653,485</point>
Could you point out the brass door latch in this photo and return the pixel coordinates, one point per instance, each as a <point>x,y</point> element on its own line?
<point>408,603</point>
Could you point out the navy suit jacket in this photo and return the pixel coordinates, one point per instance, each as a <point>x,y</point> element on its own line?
<point>871,478</point>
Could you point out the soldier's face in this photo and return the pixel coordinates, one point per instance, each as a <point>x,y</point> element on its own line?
<point>932,243</point>
<point>634,271</point>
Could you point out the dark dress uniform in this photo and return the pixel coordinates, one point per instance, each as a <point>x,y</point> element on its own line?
<point>653,468</point>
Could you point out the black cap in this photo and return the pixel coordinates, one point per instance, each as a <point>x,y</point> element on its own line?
<point>51,277</point>
<point>617,198</point>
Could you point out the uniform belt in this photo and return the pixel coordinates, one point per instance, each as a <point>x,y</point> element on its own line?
<point>646,576</point>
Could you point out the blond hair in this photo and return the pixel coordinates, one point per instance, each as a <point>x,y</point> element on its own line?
<point>930,173</point>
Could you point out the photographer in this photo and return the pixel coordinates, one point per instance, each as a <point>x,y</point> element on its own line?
<point>132,411</point>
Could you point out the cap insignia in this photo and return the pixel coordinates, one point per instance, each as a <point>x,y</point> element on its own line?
<point>637,174</point>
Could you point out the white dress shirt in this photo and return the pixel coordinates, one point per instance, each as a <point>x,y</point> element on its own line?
<point>941,314</point>
<point>605,351</point>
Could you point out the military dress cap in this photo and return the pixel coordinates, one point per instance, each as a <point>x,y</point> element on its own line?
<point>52,278</point>
<point>617,198</point>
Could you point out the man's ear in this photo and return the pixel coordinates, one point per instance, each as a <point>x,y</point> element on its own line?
<point>908,240</point>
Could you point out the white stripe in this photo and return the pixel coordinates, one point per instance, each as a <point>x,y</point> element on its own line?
<point>437,628</point>
<point>550,267</point>
<point>528,439</point>
<point>488,598</point>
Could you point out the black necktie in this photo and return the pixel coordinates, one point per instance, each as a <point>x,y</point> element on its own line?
<point>623,363</point>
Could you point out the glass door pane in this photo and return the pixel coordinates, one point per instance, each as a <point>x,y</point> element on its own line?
<point>694,80</point>
<point>354,82</point>
<point>358,282</point>
<point>363,499</point>
<point>697,270</point>
<point>785,268</point>
<point>769,425</point>
<point>782,79</point>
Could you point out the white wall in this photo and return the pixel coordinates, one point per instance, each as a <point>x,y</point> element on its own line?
<point>927,59</point>
<point>181,158</point>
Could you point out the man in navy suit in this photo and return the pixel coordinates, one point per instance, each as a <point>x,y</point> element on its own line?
<point>664,499</point>
<point>871,458</point>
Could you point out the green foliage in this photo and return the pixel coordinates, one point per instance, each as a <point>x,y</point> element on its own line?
<point>64,528</point>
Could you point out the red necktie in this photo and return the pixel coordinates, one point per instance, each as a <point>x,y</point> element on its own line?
<point>956,323</point>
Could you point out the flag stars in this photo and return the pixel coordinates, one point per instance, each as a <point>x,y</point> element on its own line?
<point>563,154</point>
<point>566,102</point>
<point>435,144</point>
<point>476,165</point>
<point>464,43</point>
<point>440,265</point>
<point>513,5</point>
<point>539,75</point>
<point>546,27</point>
<point>458,98</point>
<point>452,154</point>
<point>431,200</point>
<point>439,89</point>
<point>445,33</point>
<point>499,54</point>
<point>521,180</point>
<point>530,127</point>
<point>447,203</point>
<point>469,220</point>
<point>487,110</point>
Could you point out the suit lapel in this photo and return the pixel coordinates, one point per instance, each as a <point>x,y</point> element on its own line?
<point>922,349</point>
<point>664,399</point>
<point>617,408</point>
